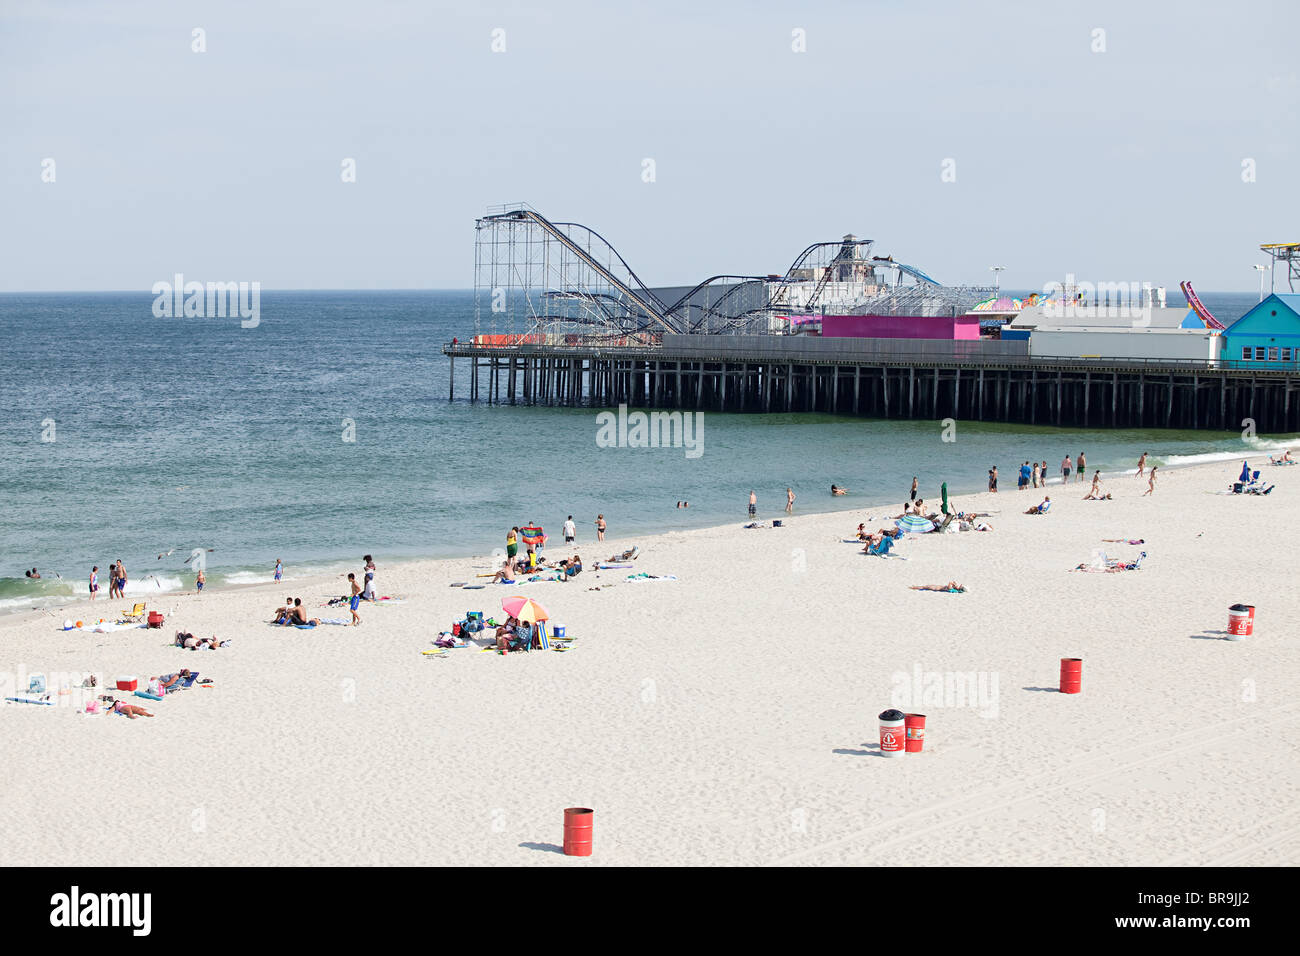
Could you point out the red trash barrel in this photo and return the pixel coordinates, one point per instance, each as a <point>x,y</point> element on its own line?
<point>892,733</point>
<point>577,831</point>
<point>915,724</point>
<point>1241,621</point>
<point>1071,675</point>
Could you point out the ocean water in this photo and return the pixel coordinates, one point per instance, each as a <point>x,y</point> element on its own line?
<point>178,434</point>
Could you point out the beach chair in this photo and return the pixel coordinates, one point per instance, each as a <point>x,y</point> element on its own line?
<point>135,614</point>
<point>880,550</point>
<point>541,639</point>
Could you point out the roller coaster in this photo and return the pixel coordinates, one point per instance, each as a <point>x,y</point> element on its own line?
<point>536,277</point>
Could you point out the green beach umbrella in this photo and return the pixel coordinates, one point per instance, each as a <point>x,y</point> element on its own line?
<point>944,492</point>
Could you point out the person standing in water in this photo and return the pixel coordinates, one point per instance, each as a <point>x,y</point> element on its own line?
<point>94,581</point>
<point>600,527</point>
<point>199,581</point>
<point>1142,463</point>
<point>1151,481</point>
<point>1033,474</point>
<point>1065,468</point>
<point>993,480</point>
<point>913,497</point>
<point>789,500</point>
<point>570,530</point>
<point>753,503</point>
<point>279,568</point>
<point>1083,467</point>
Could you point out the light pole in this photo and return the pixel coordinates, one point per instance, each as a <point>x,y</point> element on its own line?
<point>996,270</point>
<point>1261,270</point>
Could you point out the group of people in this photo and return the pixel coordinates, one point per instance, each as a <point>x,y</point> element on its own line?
<point>293,614</point>
<point>116,580</point>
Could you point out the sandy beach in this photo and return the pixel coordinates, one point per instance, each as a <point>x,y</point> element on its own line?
<point>726,717</point>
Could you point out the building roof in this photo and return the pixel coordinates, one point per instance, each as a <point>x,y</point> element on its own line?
<point>1288,300</point>
<point>1107,318</point>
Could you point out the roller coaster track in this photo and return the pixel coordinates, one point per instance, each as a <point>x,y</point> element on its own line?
<point>640,296</point>
<point>1194,301</point>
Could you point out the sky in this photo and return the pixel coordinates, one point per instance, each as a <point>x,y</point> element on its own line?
<point>1114,141</point>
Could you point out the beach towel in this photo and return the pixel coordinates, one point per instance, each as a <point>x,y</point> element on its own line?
<point>533,535</point>
<point>107,627</point>
<point>644,576</point>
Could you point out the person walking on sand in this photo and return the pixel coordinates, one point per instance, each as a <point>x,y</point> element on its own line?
<point>1151,482</point>
<point>753,503</point>
<point>600,527</point>
<point>1142,463</point>
<point>354,601</point>
<point>570,531</point>
<point>1083,467</point>
<point>279,568</point>
<point>913,498</point>
<point>789,500</point>
<point>1065,468</point>
<point>94,581</point>
<point>1096,485</point>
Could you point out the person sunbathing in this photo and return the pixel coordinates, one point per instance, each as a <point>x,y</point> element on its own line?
<point>507,574</point>
<point>1040,508</point>
<point>298,616</point>
<point>571,567</point>
<point>129,710</point>
<point>952,587</point>
<point>171,682</point>
<point>1095,497</point>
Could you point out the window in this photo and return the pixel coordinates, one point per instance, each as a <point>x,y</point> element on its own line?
<point>1259,353</point>
<point>1272,353</point>
<point>1286,355</point>
<point>1245,353</point>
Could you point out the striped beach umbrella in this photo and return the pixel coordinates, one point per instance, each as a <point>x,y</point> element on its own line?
<point>914,524</point>
<point>525,609</point>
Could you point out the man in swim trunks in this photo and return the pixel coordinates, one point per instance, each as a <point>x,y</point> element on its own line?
<point>355,601</point>
<point>299,615</point>
<point>571,530</point>
<point>993,480</point>
<point>753,503</point>
<point>1065,468</point>
<point>199,581</point>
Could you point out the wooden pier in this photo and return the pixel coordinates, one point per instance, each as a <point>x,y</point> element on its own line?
<point>965,381</point>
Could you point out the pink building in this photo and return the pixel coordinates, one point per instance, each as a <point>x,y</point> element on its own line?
<point>901,327</point>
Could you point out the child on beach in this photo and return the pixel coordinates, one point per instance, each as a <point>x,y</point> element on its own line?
<point>355,600</point>
<point>199,581</point>
<point>1151,481</point>
<point>94,581</point>
<point>279,569</point>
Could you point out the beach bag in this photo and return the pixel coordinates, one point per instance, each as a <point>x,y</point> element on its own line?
<point>155,687</point>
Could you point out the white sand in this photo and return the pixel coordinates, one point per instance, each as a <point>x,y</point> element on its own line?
<point>728,717</point>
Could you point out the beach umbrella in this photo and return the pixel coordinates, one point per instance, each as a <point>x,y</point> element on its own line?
<point>914,524</point>
<point>943,491</point>
<point>526,609</point>
<point>1245,471</point>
